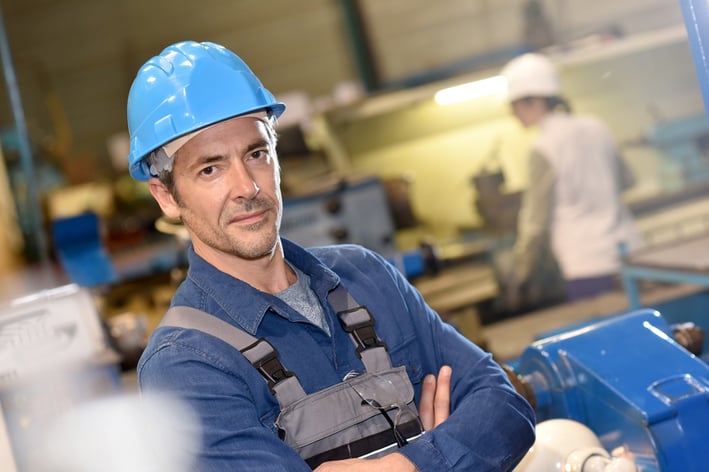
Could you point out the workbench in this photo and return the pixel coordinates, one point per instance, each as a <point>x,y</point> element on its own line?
<point>684,261</point>
<point>674,278</point>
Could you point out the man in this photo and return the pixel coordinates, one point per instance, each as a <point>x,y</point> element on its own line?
<point>576,180</point>
<point>202,135</point>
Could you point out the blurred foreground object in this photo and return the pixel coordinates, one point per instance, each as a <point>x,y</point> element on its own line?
<point>60,392</point>
<point>569,446</point>
<point>127,433</point>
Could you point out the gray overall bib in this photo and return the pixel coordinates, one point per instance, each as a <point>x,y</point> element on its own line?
<point>365,415</point>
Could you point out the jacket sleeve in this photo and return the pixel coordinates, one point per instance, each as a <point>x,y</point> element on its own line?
<point>219,394</point>
<point>533,220</point>
<point>626,177</point>
<point>491,426</point>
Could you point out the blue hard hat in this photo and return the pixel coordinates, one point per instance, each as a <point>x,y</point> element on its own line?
<point>190,85</point>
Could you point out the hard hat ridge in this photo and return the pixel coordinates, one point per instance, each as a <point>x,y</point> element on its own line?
<point>189,86</point>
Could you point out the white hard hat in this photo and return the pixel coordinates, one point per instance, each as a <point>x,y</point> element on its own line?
<point>531,75</point>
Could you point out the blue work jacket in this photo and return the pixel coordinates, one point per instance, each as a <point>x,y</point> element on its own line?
<point>490,427</point>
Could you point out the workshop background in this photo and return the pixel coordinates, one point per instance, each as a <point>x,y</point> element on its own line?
<point>359,79</point>
<point>628,63</point>
<point>440,183</point>
<point>368,154</point>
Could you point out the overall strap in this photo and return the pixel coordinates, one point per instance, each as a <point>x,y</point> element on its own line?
<point>259,352</point>
<point>358,322</point>
<point>354,318</point>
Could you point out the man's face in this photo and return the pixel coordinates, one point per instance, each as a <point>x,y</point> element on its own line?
<point>227,190</point>
<point>529,111</point>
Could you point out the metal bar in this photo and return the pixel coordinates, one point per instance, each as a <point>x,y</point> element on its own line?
<point>667,275</point>
<point>631,290</point>
<point>451,69</point>
<point>629,282</point>
<point>632,274</point>
<point>34,205</point>
<point>696,19</point>
<point>359,41</point>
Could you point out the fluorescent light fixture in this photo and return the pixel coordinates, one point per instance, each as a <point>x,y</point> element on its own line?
<point>471,90</point>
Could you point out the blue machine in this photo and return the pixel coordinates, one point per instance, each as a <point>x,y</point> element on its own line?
<point>81,252</point>
<point>350,211</point>
<point>644,395</point>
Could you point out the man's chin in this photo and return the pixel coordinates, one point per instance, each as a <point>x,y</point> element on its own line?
<point>263,248</point>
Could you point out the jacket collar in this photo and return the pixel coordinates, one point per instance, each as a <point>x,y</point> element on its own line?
<point>246,305</point>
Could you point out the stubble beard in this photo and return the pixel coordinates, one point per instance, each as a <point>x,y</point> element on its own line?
<point>263,234</point>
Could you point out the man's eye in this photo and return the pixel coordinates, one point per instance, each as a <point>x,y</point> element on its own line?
<point>260,154</point>
<point>207,170</point>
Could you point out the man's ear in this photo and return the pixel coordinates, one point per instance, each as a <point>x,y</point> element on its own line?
<point>164,198</point>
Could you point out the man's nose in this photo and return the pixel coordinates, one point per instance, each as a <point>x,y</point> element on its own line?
<point>242,183</point>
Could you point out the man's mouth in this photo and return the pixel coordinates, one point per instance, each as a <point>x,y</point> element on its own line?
<point>249,218</point>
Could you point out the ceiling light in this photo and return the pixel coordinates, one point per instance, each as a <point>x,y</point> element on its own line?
<point>471,90</point>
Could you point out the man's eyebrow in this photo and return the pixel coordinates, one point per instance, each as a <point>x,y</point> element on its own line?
<point>206,159</point>
<point>211,158</point>
<point>257,144</point>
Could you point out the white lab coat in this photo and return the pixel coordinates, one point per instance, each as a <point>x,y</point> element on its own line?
<point>575,197</point>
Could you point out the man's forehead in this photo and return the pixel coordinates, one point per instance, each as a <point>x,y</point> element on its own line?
<point>173,146</point>
<point>229,136</point>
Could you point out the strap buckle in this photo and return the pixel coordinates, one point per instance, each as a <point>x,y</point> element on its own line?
<point>359,323</point>
<point>264,357</point>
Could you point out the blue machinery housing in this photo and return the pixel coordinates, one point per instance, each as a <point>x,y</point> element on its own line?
<point>644,395</point>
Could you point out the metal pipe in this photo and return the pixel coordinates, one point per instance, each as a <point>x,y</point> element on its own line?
<point>33,199</point>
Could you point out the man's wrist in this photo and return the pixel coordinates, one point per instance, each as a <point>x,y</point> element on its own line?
<point>395,462</point>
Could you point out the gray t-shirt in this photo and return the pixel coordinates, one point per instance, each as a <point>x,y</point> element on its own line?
<point>302,299</point>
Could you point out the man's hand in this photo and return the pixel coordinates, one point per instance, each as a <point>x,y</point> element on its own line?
<point>393,462</point>
<point>435,405</point>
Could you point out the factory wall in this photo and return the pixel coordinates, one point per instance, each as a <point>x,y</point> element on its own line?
<point>75,59</point>
<point>411,37</point>
<point>85,53</point>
